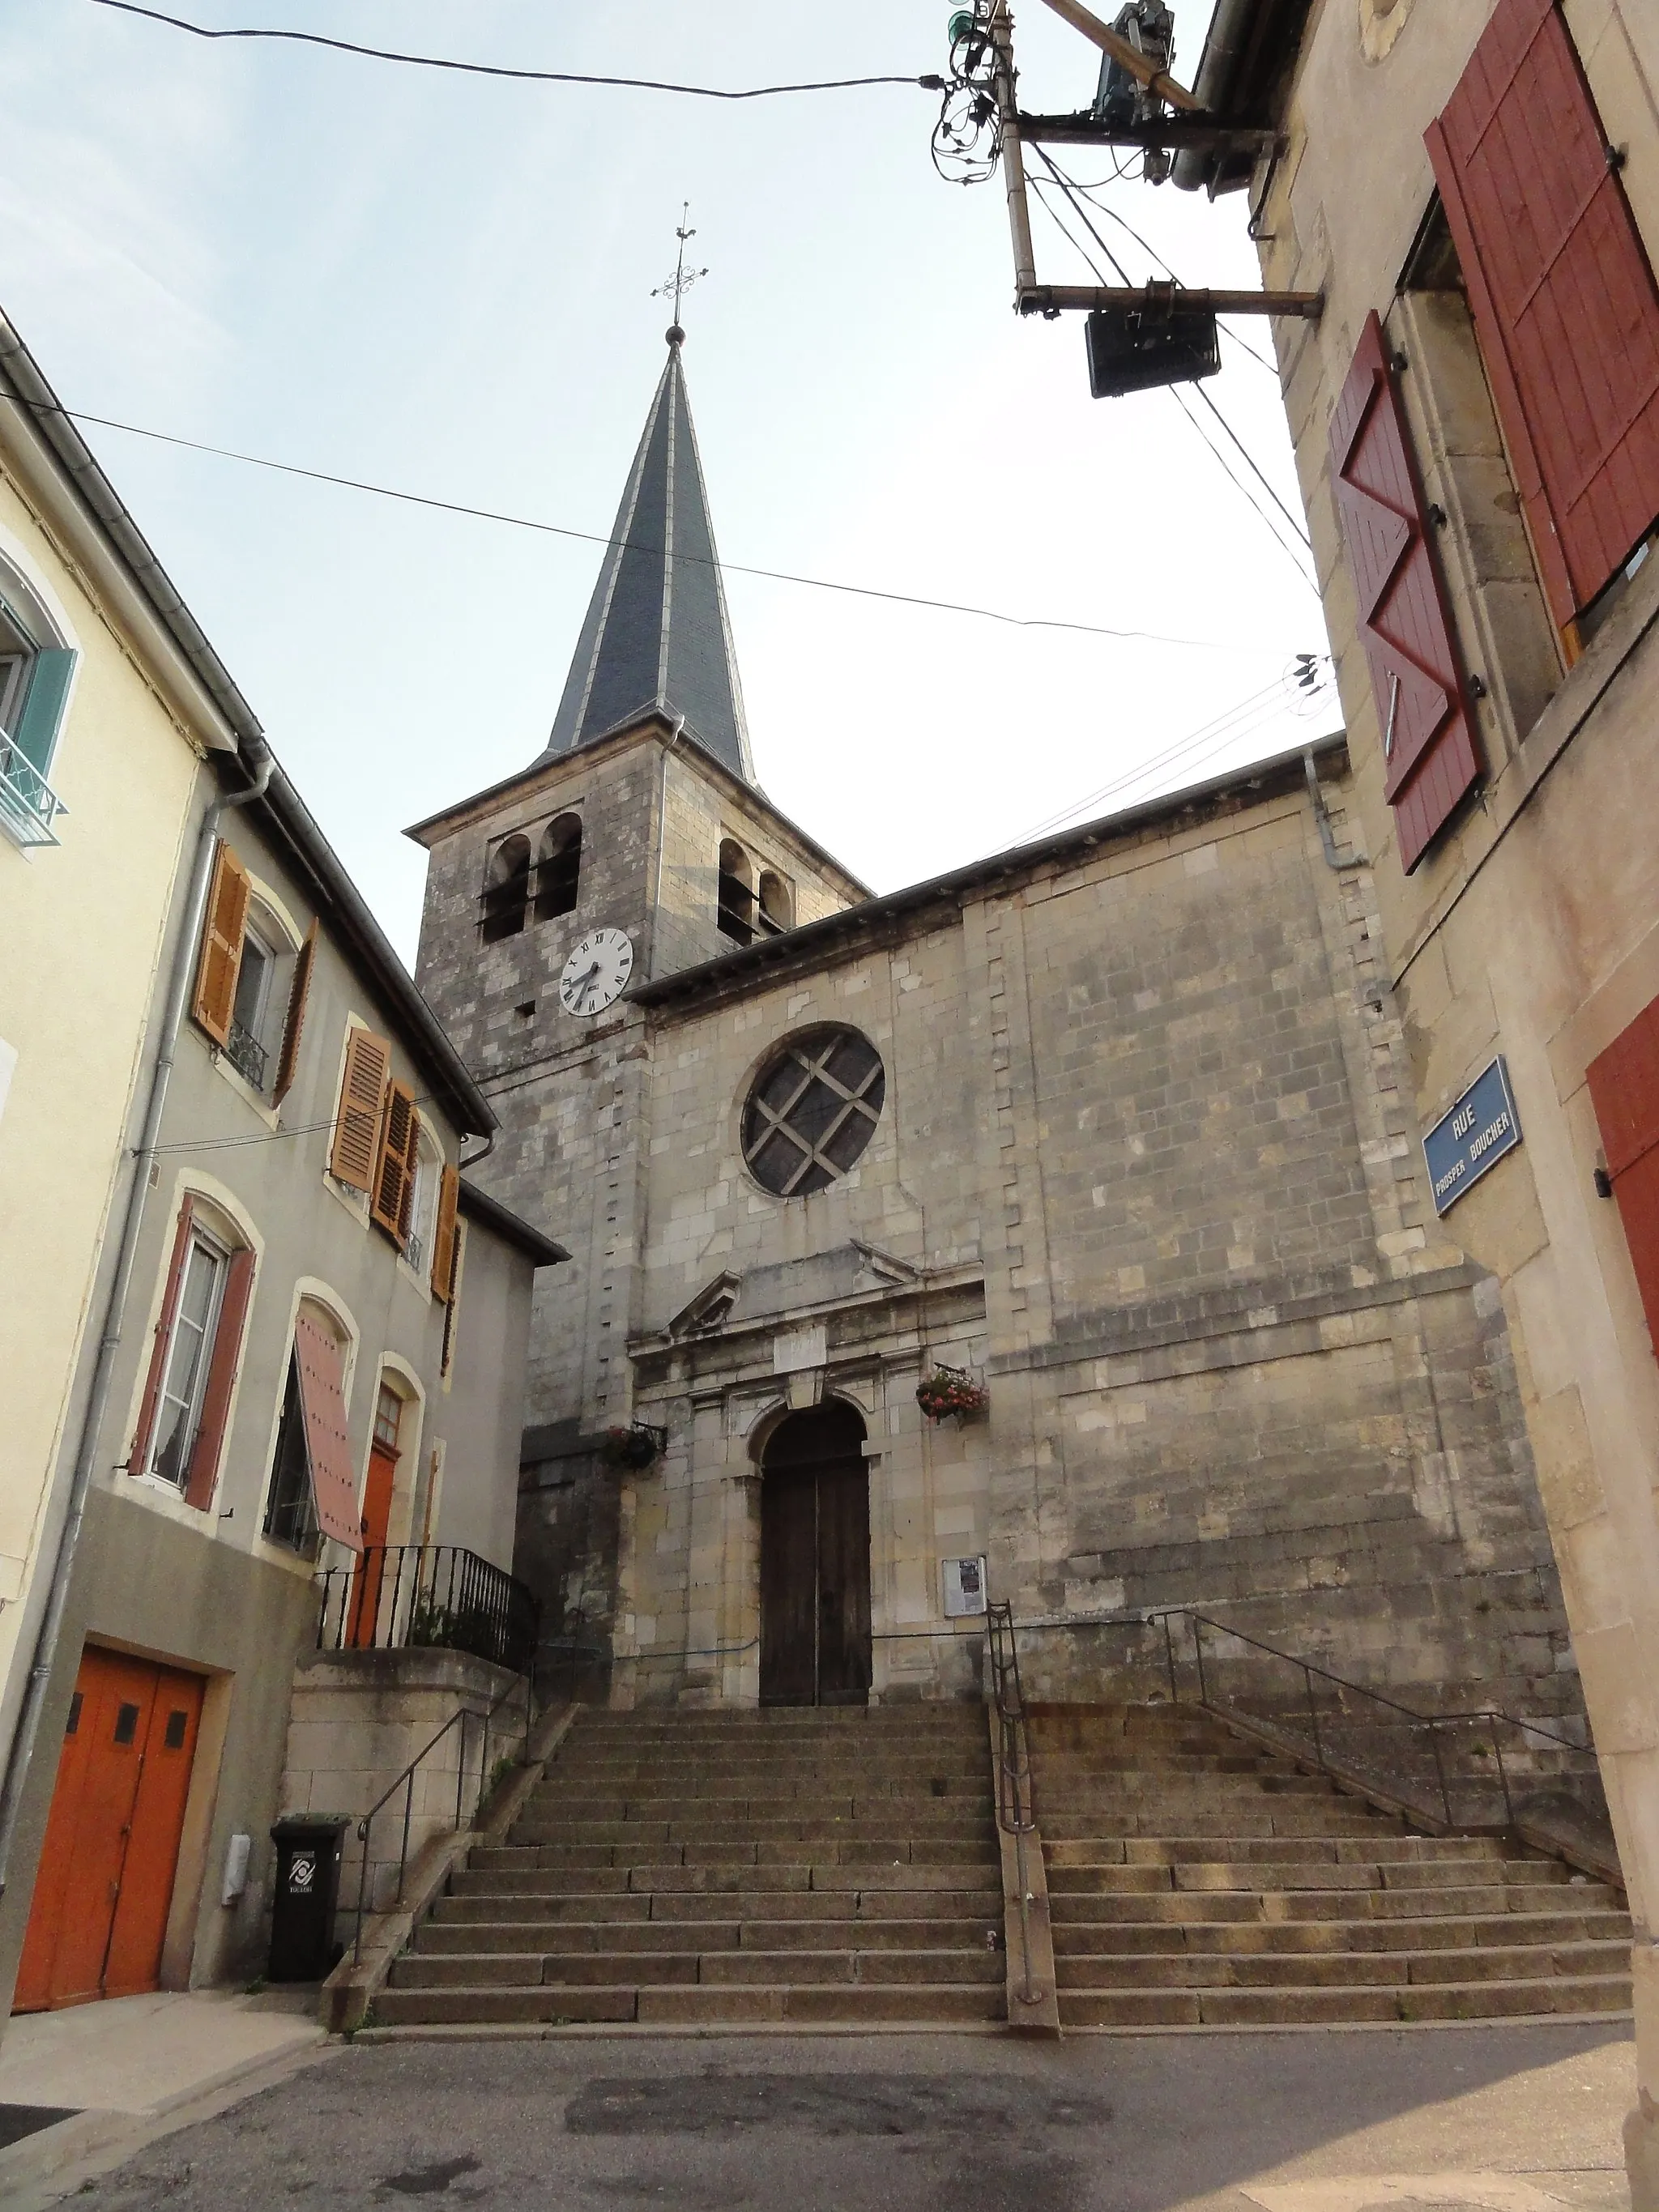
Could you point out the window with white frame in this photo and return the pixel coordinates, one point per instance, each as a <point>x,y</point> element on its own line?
<point>185,1372</point>
<point>35,672</point>
<point>424,1199</point>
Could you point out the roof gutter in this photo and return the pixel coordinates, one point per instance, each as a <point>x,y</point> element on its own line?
<point>1218,71</point>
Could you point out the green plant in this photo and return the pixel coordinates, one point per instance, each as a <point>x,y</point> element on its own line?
<point>632,1448</point>
<point>951,1392</point>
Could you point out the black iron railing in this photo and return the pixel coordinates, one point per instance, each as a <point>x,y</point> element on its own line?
<point>1461,1769</point>
<point>246,1054</point>
<point>477,1725</point>
<point>1016,1800</point>
<point>398,1597</point>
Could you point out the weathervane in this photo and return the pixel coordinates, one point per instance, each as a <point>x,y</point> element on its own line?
<point>683,278</point>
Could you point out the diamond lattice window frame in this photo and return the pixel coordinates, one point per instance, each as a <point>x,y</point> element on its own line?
<point>812,1109</point>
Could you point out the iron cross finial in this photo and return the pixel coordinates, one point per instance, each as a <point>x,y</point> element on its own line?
<point>683,278</point>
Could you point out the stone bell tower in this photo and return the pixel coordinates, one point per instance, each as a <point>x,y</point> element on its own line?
<point>640,818</point>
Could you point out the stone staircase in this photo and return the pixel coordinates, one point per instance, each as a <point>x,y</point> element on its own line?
<point>816,1867</point>
<point>1194,1881</point>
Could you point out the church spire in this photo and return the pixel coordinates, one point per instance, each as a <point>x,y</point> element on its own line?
<point>657,632</point>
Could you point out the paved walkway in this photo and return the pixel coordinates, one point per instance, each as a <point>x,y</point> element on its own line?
<point>1454,2119</point>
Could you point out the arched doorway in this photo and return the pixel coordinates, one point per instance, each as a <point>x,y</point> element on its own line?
<point>815,1560</point>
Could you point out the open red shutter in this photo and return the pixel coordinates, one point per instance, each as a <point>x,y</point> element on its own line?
<point>354,1154</point>
<point>300,991</point>
<point>209,1443</point>
<point>394,1171</point>
<point>1563,297</point>
<point>328,1447</point>
<point>1624,1088</point>
<point>222,946</point>
<point>1428,740</point>
<point>158,1357</point>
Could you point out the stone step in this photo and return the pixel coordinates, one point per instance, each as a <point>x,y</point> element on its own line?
<point>1178,1905</point>
<point>474,1937</point>
<point>1461,1932</point>
<point>1330,1850</point>
<point>981,1906</point>
<point>658,1880</point>
<point>1310,2004</point>
<point>717,1969</point>
<point>1248,1817</point>
<point>1281,1874</point>
<point>922,1804</point>
<point>1339,1969</point>
<point>974,1824</point>
<point>851,1851</point>
<point>852,2004</point>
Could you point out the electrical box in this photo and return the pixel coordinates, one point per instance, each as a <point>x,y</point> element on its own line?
<point>1138,348</point>
<point>964,1586</point>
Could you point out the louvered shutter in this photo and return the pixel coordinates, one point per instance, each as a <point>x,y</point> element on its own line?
<point>354,1154</point>
<point>288,1058</point>
<point>158,1357</point>
<point>328,1446</point>
<point>1624,1088</point>
<point>1404,622</point>
<point>222,946</point>
<point>394,1174</point>
<point>42,713</point>
<point>443,1234</point>
<point>209,1447</point>
<point>1562,293</point>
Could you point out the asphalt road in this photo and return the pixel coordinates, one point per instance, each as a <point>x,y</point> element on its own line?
<point>1510,2119</point>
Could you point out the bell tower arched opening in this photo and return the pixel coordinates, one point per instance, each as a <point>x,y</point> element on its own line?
<point>815,1559</point>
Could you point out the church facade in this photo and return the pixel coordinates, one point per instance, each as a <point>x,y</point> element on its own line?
<point>1111,1136</point>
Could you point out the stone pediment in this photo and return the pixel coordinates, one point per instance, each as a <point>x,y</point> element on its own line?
<point>822,1279</point>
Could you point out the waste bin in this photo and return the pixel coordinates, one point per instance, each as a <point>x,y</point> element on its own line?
<point>302,1945</point>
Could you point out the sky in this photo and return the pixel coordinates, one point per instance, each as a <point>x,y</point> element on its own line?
<point>444,285</point>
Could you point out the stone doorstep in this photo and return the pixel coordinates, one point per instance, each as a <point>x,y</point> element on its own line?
<point>474,1937</point>
<point>1306,2007</point>
<point>944,2006</point>
<point>1341,1968</point>
<point>954,1963</point>
<point>1078,1938</point>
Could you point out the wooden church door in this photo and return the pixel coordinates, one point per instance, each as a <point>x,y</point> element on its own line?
<point>815,1561</point>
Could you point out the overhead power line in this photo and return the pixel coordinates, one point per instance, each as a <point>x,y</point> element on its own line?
<point>522,75</point>
<point>628,545</point>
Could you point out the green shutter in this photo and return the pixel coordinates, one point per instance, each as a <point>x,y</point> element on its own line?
<point>36,733</point>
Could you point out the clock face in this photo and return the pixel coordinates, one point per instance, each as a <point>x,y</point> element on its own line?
<point>597,972</point>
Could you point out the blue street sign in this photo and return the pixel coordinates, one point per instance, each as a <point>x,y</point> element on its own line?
<point>1473,1137</point>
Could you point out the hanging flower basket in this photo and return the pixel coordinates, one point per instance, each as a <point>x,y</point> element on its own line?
<point>632,1448</point>
<point>951,1392</point>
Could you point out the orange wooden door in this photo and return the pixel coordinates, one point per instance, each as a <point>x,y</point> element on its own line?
<point>105,1882</point>
<point>377,1520</point>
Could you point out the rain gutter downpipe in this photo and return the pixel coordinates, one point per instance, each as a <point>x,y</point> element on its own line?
<point>256,755</point>
<point>1224,49</point>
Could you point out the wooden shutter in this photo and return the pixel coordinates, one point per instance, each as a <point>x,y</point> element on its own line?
<point>1404,622</point>
<point>208,1447</point>
<point>443,1234</point>
<point>354,1154</point>
<point>158,1357</point>
<point>328,1446</point>
<point>394,1172</point>
<point>222,946</point>
<point>1562,293</point>
<point>1624,1087</point>
<point>42,713</point>
<point>288,1058</point>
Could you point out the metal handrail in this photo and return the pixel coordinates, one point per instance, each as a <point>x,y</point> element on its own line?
<point>1435,1804</point>
<point>409,1597</point>
<point>405,1782</point>
<point>1015,1803</point>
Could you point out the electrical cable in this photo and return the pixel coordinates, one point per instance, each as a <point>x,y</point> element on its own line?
<point>627,545</point>
<point>1224,730</point>
<point>1175,391</point>
<point>527,76</point>
<point>1248,458</point>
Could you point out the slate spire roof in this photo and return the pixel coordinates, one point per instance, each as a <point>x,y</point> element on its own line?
<point>657,632</point>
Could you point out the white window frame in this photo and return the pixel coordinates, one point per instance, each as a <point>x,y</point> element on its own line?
<point>201,1240</point>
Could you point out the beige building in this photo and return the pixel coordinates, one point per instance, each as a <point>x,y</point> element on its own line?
<point>284,1438</point>
<point>109,706</point>
<point>1474,189</point>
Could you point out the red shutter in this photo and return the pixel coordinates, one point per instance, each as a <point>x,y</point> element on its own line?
<point>1624,1087</point>
<point>222,946</point>
<point>158,1357</point>
<point>355,1155</point>
<point>220,1379</point>
<point>328,1447</point>
<point>1429,762</point>
<point>1563,297</point>
<point>300,991</point>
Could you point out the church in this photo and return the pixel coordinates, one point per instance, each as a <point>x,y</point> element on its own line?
<point>1104,1145</point>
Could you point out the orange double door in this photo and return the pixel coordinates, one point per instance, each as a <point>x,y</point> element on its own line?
<point>103,1886</point>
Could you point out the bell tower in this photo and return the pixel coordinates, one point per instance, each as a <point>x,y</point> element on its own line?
<point>640,820</point>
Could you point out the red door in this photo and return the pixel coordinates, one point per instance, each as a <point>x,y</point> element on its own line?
<point>103,1888</point>
<point>1624,1088</point>
<point>383,1456</point>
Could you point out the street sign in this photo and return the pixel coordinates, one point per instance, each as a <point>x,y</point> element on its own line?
<point>1474,1136</point>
